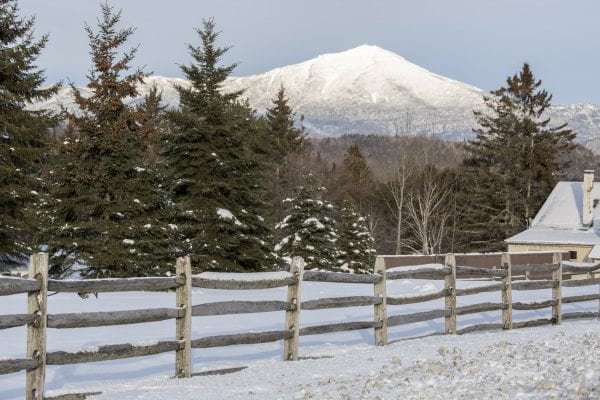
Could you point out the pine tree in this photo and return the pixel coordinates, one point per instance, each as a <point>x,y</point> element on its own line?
<point>286,151</point>
<point>150,117</point>
<point>217,180</point>
<point>309,229</point>
<point>355,244</point>
<point>355,180</point>
<point>281,121</point>
<point>106,198</point>
<point>23,141</point>
<point>515,160</point>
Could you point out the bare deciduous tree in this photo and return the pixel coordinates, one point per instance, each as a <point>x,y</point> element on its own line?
<point>396,193</point>
<point>428,213</point>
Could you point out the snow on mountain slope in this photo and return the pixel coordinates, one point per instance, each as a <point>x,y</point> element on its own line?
<point>584,119</point>
<point>64,97</point>
<point>366,90</point>
<point>369,90</point>
<point>365,75</point>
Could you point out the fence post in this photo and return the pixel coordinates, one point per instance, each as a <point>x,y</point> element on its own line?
<point>292,316</point>
<point>36,331</point>
<point>557,290</point>
<point>450,299</point>
<point>507,292</point>
<point>183,323</point>
<point>380,311</point>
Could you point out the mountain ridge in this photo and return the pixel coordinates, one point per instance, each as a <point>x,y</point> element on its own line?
<point>367,90</point>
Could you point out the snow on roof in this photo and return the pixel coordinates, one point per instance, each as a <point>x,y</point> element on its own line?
<point>560,218</point>
<point>564,207</point>
<point>595,253</point>
<point>556,236</point>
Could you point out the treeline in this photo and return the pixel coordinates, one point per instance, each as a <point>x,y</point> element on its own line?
<point>399,168</point>
<point>127,189</point>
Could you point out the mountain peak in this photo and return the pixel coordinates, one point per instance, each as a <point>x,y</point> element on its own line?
<point>370,50</point>
<point>362,54</point>
<point>364,75</point>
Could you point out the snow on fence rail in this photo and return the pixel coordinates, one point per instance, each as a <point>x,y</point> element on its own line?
<point>548,267</point>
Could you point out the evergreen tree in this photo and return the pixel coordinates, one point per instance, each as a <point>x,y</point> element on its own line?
<point>106,197</point>
<point>514,162</point>
<point>355,244</point>
<point>217,180</point>
<point>280,118</point>
<point>355,180</point>
<point>309,229</point>
<point>150,117</point>
<point>285,150</point>
<point>22,132</point>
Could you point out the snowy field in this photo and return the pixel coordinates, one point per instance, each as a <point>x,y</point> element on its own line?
<point>546,362</point>
<point>535,363</point>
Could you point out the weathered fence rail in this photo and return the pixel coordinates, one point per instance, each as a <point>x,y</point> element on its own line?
<point>507,269</point>
<point>114,285</point>
<point>108,318</point>
<point>111,352</point>
<point>240,307</point>
<point>547,268</point>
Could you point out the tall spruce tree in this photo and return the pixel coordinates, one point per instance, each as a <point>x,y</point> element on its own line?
<point>286,136</point>
<point>514,162</point>
<point>217,180</point>
<point>309,229</point>
<point>106,196</point>
<point>286,152</point>
<point>23,135</point>
<point>355,180</point>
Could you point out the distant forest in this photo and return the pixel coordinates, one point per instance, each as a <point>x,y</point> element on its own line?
<point>383,154</point>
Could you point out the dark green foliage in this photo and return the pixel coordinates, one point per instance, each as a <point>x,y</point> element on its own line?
<point>106,198</point>
<point>356,247</point>
<point>309,229</point>
<point>354,181</point>
<point>216,179</point>
<point>514,162</point>
<point>22,132</point>
<point>286,150</point>
<point>151,123</point>
<point>285,136</point>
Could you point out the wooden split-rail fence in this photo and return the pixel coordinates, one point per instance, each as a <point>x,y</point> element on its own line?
<point>506,272</point>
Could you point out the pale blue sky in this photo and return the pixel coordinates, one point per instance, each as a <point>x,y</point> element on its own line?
<point>476,41</point>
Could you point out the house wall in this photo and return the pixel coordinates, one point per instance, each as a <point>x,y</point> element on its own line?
<point>582,250</point>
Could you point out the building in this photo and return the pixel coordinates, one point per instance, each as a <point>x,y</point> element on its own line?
<point>569,221</point>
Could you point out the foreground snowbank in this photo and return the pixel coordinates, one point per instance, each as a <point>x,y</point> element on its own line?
<point>539,363</point>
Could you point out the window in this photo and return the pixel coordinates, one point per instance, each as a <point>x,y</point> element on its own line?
<point>572,255</point>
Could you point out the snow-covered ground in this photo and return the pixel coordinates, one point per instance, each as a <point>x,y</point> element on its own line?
<point>538,363</point>
<point>531,363</point>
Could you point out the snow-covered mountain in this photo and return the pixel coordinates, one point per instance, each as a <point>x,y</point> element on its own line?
<point>370,90</point>
<point>366,90</point>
